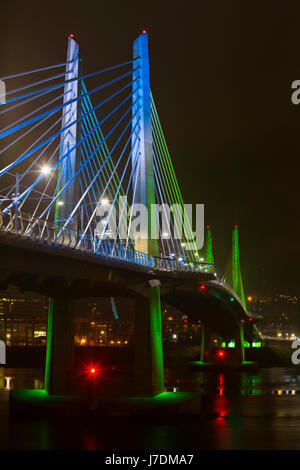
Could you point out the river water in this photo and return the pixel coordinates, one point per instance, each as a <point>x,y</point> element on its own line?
<point>241,410</point>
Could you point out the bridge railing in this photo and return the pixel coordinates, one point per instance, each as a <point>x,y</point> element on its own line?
<point>56,234</point>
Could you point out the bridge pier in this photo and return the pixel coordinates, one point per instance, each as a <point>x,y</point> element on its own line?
<point>60,345</point>
<point>149,371</point>
<point>240,348</point>
<point>205,344</point>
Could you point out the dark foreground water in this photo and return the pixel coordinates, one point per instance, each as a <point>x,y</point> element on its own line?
<point>243,410</point>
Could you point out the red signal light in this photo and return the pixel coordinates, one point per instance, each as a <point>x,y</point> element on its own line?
<point>250,319</point>
<point>221,354</point>
<point>144,31</point>
<point>185,321</point>
<point>71,35</point>
<point>202,287</point>
<point>92,371</point>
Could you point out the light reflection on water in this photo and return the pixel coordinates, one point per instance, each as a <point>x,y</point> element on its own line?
<point>280,381</point>
<point>258,382</point>
<point>241,413</point>
<point>21,378</point>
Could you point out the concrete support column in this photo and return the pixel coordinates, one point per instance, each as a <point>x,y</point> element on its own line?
<point>149,371</point>
<point>205,344</point>
<point>60,346</point>
<point>239,346</point>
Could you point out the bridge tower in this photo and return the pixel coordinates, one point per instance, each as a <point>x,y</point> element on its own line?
<point>209,255</point>
<point>237,282</point>
<point>148,330</point>
<point>68,167</point>
<point>142,148</point>
<point>60,336</point>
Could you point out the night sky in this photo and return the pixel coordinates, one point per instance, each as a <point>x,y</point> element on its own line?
<point>221,74</point>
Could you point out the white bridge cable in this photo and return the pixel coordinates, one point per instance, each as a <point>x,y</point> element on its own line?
<point>90,120</point>
<point>101,155</point>
<point>29,169</point>
<point>129,159</point>
<point>91,147</point>
<point>63,105</point>
<point>159,188</point>
<point>48,183</point>
<point>31,85</point>
<point>95,160</point>
<point>66,154</point>
<point>28,131</point>
<point>35,161</point>
<point>36,110</point>
<point>133,171</point>
<point>84,164</point>
<point>163,185</point>
<point>133,195</point>
<point>104,192</point>
<point>96,175</point>
<point>188,237</point>
<point>54,87</point>
<point>27,154</point>
<point>42,69</point>
<point>164,152</point>
<point>17,105</point>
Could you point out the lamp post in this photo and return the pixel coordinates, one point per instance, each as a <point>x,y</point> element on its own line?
<point>45,170</point>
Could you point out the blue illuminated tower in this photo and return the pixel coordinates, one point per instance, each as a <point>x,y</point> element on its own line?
<point>148,330</point>
<point>69,137</point>
<point>142,149</point>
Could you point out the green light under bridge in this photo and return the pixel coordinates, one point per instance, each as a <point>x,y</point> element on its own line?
<point>231,344</point>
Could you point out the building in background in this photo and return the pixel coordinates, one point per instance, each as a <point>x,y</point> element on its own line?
<point>23,318</point>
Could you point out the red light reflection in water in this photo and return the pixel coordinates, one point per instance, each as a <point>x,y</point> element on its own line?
<point>221,386</point>
<point>221,405</point>
<point>89,441</point>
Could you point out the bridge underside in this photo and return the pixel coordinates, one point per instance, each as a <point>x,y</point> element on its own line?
<point>64,274</point>
<point>214,307</point>
<point>40,267</point>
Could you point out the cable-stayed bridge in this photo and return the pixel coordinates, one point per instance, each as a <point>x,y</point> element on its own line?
<point>87,184</point>
<point>69,162</point>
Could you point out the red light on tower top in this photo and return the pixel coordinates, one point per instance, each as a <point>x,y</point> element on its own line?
<point>144,31</point>
<point>208,227</point>
<point>235,226</point>
<point>71,35</point>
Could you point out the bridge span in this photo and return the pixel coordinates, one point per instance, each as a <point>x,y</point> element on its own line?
<point>69,164</point>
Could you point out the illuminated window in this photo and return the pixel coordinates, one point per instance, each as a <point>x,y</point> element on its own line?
<point>38,333</point>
